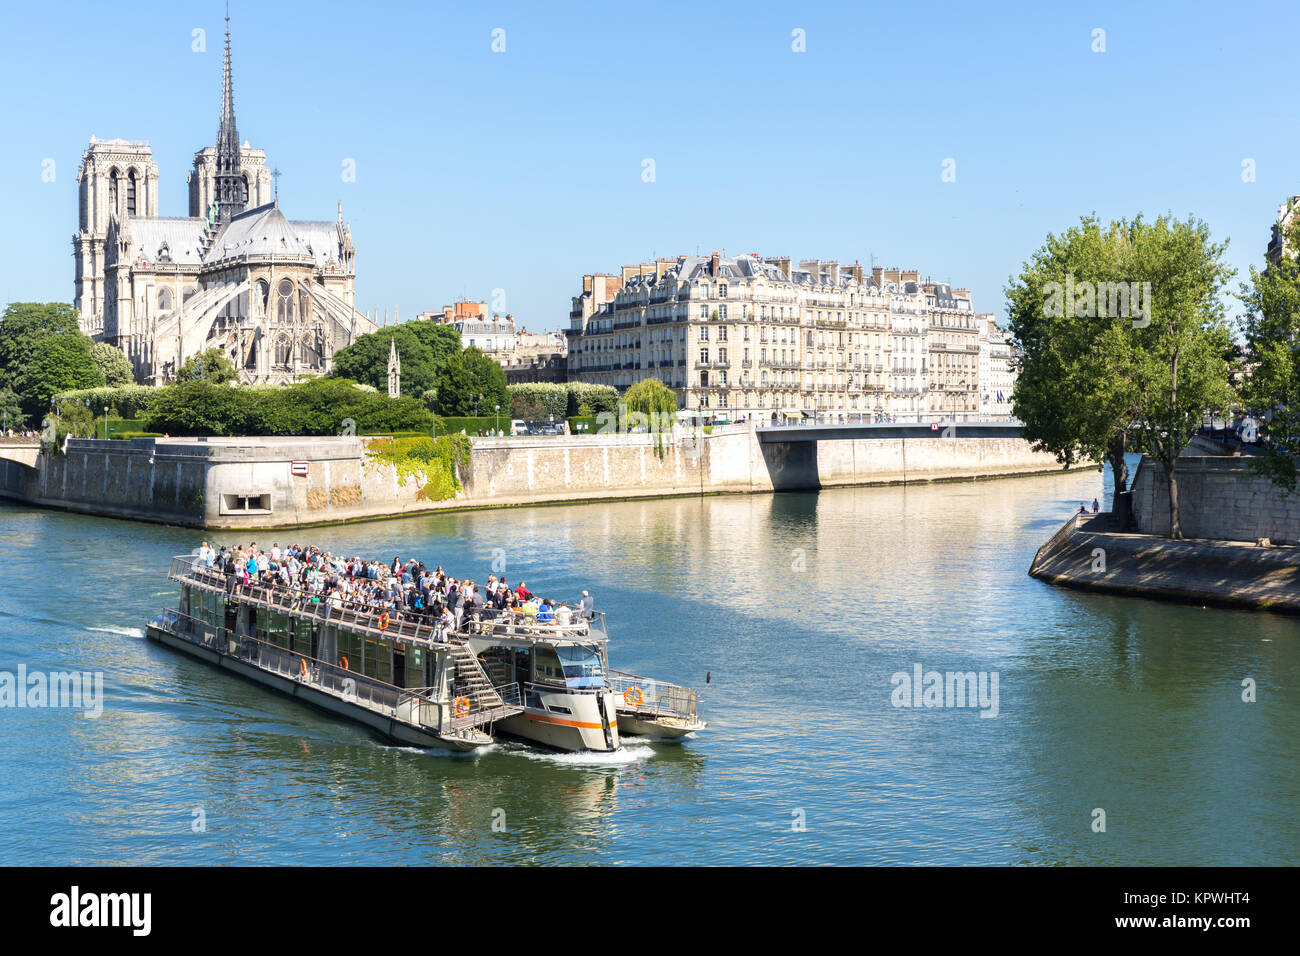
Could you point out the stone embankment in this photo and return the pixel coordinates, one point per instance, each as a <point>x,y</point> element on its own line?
<point>1087,553</point>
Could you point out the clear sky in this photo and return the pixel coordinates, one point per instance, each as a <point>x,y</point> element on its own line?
<point>521,170</point>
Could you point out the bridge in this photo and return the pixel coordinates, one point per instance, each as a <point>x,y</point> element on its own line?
<point>816,432</point>
<point>20,450</point>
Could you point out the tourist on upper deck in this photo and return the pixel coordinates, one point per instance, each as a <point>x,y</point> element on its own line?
<point>1096,506</point>
<point>545,613</point>
<point>563,614</point>
<point>1082,509</point>
<point>523,593</point>
<point>588,605</point>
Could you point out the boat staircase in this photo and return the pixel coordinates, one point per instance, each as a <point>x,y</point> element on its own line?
<point>487,702</point>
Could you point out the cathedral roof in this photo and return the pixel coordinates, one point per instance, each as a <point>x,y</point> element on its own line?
<point>182,237</point>
<point>262,231</point>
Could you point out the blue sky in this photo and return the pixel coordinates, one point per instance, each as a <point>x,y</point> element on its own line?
<point>522,170</point>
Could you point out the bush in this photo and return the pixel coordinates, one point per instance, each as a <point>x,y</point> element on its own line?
<point>319,406</point>
<point>123,401</point>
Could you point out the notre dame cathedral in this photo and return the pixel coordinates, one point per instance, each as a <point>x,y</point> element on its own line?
<point>276,295</point>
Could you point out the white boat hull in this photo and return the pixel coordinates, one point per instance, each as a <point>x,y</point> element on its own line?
<point>388,727</point>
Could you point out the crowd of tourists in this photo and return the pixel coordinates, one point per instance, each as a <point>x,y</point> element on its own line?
<point>404,590</point>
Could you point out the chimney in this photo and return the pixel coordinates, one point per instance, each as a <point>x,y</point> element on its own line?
<point>855,270</point>
<point>713,263</point>
<point>783,263</point>
<point>912,275</point>
<point>878,276</point>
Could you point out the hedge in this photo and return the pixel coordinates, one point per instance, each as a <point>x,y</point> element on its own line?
<point>123,401</point>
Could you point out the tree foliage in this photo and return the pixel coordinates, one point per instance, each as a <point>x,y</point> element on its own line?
<point>113,364</point>
<point>1096,379</point>
<point>211,365</point>
<point>1272,332</point>
<point>58,363</point>
<point>325,406</point>
<point>471,383</point>
<point>423,348</point>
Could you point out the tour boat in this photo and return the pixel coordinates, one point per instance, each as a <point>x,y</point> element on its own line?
<point>548,683</point>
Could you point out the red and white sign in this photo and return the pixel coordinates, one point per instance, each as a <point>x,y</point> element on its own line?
<point>934,426</point>
<point>299,468</point>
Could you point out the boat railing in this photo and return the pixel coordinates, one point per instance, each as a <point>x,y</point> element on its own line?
<point>390,624</point>
<point>349,684</point>
<point>298,601</point>
<point>414,705</point>
<point>513,624</point>
<point>645,694</point>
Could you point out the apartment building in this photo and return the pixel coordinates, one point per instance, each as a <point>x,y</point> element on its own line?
<point>997,374</point>
<point>746,337</point>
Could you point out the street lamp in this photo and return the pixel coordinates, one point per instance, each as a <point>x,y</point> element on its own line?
<point>105,423</point>
<point>496,417</point>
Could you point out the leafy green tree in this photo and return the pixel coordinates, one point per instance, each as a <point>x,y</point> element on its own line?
<point>1179,361</point>
<point>12,415</point>
<point>471,384</point>
<point>655,400</point>
<point>366,360</point>
<point>442,340</point>
<point>211,365</point>
<point>199,407</point>
<point>1272,329</point>
<point>1068,405</point>
<point>22,327</point>
<point>1111,370</point>
<point>113,364</point>
<point>58,363</point>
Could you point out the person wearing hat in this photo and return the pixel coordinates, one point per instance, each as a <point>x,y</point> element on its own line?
<point>588,605</point>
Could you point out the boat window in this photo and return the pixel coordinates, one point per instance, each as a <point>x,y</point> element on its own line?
<point>349,645</point>
<point>582,665</point>
<point>547,665</point>
<point>379,659</point>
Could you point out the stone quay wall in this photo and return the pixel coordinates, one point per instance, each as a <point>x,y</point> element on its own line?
<point>1087,554</point>
<point>1218,498</point>
<point>253,482</point>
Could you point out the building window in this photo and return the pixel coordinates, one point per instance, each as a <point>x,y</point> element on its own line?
<point>284,311</point>
<point>130,193</point>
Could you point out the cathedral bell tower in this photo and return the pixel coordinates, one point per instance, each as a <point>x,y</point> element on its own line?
<point>231,194</point>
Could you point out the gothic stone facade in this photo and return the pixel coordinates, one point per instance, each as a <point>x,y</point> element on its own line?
<point>277,296</point>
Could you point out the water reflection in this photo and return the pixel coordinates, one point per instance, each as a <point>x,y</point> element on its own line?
<point>797,607</point>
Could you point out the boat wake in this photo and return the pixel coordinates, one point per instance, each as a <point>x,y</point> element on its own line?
<point>594,758</point>
<point>123,631</point>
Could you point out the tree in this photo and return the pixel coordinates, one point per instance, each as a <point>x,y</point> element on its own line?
<point>1068,403</point>
<point>11,411</point>
<point>1138,354</point>
<point>1179,360</point>
<point>472,384</point>
<point>366,359</point>
<point>113,364</point>
<point>1272,331</point>
<point>22,327</point>
<point>655,400</point>
<point>441,339</point>
<point>212,365</point>
<point>59,363</point>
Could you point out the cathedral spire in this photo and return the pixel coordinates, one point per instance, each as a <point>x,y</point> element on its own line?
<point>231,190</point>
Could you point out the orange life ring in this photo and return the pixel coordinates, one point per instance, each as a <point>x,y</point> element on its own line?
<point>344,661</point>
<point>633,697</point>
<point>383,621</point>
<point>461,707</point>
<point>302,668</point>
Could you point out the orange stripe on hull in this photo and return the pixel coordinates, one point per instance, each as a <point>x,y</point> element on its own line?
<point>565,723</point>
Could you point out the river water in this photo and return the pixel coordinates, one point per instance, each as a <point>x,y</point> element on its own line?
<point>798,608</point>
